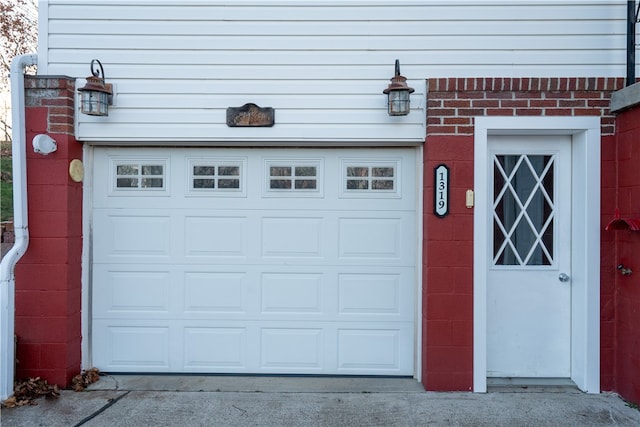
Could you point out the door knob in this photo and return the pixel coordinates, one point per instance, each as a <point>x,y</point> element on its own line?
<point>563,277</point>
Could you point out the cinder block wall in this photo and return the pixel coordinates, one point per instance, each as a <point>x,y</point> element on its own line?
<point>452,104</point>
<point>626,289</point>
<point>48,277</point>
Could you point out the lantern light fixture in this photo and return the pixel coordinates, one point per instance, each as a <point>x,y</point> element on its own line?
<point>398,94</point>
<point>95,96</point>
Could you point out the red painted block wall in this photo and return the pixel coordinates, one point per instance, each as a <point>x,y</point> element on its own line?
<point>626,289</point>
<point>48,277</point>
<point>452,104</point>
<point>608,263</point>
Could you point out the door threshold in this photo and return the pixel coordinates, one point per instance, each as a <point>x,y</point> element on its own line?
<point>522,384</point>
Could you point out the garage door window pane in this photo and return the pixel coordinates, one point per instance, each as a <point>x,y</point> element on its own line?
<point>279,171</point>
<point>127,183</point>
<point>215,176</point>
<point>204,183</point>
<point>302,177</point>
<point>204,170</point>
<point>280,184</point>
<point>152,182</point>
<point>378,184</point>
<point>127,169</point>
<point>305,184</point>
<point>382,172</point>
<point>357,184</point>
<point>139,176</point>
<point>151,170</point>
<point>229,184</point>
<point>306,171</point>
<point>371,178</point>
<point>229,171</point>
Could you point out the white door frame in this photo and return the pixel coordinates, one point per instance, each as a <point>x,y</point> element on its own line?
<point>585,258</point>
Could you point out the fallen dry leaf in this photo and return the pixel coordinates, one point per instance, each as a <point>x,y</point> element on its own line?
<point>82,380</point>
<point>26,391</point>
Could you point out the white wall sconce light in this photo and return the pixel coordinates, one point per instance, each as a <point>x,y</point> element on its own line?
<point>96,96</point>
<point>398,94</point>
<point>44,144</point>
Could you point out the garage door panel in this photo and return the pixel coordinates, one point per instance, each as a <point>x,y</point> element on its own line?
<point>291,348</point>
<point>370,238</point>
<point>292,237</point>
<point>371,294</point>
<point>372,350</point>
<point>215,348</point>
<point>303,293</point>
<point>134,234</point>
<point>132,347</point>
<point>124,293</point>
<point>302,278</point>
<point>361,238</point>
<point>216,236</point>
<point>263,292</point>
<point>211,292</point>
<point>254,347</point>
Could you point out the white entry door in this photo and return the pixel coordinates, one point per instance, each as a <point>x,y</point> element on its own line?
<point>529,257</point>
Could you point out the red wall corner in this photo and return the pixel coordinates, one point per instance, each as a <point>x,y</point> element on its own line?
<point>620,301</point>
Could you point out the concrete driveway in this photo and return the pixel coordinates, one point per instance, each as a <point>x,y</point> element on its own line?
<point>129,400</point>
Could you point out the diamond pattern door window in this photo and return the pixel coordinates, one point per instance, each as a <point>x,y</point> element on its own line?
<point>523,210</point>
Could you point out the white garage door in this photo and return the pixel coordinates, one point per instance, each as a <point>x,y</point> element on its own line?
<point>254,260</point>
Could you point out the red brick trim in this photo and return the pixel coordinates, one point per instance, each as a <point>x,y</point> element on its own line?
<point>453,102</point>
<point>57,94</point>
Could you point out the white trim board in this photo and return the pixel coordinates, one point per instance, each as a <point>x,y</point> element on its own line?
<point>585,298</point>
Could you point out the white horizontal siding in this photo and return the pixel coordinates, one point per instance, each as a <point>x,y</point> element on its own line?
<point>322,65</point>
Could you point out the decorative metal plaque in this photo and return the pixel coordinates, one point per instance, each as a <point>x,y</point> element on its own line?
<point>250,115</point>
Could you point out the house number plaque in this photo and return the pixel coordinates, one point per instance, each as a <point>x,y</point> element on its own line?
<point>441,191</point>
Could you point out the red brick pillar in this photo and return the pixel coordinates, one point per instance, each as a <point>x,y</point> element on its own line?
<point>48,277</point>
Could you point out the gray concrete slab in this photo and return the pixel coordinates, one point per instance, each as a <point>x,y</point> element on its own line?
<point>263,384</point>
<point>67,410</point>
<point>272,401</point>
<point>625,98</point>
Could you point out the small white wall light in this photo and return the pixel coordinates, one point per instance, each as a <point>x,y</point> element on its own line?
<point>44,144</point>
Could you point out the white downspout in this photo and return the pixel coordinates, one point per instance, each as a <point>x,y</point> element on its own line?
<point>20,218</point>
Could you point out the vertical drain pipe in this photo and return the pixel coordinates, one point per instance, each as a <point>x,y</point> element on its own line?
<point>20,218</point>
<point>632,17</point>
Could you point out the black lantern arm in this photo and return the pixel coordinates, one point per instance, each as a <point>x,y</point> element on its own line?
<point>96,82</point>
<point>398,81</point>
<point>95,71</point>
